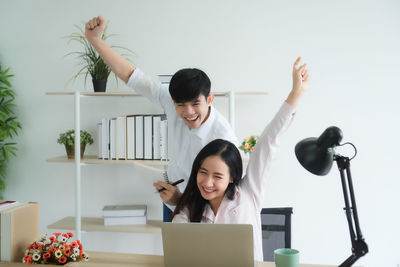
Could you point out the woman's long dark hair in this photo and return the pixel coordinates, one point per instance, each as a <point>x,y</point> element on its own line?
<point>191,197</point>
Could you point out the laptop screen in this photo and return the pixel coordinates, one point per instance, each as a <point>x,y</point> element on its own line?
<point>196,244</point>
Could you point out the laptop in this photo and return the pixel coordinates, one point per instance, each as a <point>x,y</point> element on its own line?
<point>200,245</point>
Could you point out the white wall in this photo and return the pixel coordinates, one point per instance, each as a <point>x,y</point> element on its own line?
<point>352,48</point>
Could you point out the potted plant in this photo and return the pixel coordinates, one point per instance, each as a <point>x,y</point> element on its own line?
<point>91,61</point>
<point>8,125</point>
<point>248,144</point>
<point>68,140</point>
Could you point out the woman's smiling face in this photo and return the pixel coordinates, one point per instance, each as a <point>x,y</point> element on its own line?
<point>213,178</point>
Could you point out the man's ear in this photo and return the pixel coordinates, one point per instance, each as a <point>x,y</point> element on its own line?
<point>210,99</point>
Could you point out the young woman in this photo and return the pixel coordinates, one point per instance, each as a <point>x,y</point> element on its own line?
<point>216,191</point>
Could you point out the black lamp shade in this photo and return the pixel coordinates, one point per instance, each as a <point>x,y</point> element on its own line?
<point>317,154</point>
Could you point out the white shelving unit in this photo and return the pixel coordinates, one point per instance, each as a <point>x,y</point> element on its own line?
<point>80,223</point>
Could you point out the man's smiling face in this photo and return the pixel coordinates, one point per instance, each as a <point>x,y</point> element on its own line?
<point>194,112</point>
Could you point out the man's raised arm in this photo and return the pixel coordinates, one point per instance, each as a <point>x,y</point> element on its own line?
<point>117,63</point>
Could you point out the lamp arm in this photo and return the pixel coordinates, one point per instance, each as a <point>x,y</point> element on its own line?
<point>359,246</point>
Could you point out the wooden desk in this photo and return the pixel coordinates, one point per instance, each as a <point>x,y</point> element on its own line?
<point>106,259</point>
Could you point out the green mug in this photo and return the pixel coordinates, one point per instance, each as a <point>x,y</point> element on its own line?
<point>286,257</point>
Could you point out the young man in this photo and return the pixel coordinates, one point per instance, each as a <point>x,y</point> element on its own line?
<point>192,121</point>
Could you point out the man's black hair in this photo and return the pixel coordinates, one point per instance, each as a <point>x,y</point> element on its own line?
<point>188,84</point>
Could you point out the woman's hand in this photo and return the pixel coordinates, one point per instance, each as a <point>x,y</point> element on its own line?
<point>301,78</point>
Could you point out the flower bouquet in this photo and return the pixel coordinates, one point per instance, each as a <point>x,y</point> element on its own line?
<point>248,144</point>
<point>55,250</point>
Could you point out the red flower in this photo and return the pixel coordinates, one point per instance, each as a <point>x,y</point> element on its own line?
<point>67,252</point>
<point>52,249</point>
<point>57,234</point>
<point>28,259</point>
<point>251,149</point>
<point>73,244</point>
<point>65,235</point>
<point>52,238</point>
<point>66,245</point>
<point>62,259</point>
<point>70,234</point>
<point>46,255</point>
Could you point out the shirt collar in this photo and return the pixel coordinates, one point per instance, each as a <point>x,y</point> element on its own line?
<point>226,203</point>
<point>208,213</point>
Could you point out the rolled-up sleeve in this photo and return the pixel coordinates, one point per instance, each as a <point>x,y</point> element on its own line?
<point>146,86</point>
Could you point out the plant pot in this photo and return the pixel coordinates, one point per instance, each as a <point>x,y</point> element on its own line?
<point>99,85</point>
<point>71,151</point>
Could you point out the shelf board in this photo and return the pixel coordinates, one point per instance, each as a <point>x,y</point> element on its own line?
<point>136,94</point>
<point>92,224</point>
<point>152,165</point>
<point>93,159</point>
<point>96,93</point>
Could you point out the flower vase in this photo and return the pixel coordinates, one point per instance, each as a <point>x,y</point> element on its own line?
<point>71,150</point>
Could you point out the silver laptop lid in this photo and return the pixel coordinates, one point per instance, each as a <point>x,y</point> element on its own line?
<point>196,244</point>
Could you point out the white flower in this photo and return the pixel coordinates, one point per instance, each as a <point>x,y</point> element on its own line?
<point>36,257</point>
<point>76,251</point>
<point>63,238</point>
<point>73,257</point>
<point>47,242</point>
<point>58,253</point>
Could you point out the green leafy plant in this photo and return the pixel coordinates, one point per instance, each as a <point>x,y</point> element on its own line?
<point>9,126</point>
<point>68,138</point>
<point>248,144</point>
<point>90,60</point>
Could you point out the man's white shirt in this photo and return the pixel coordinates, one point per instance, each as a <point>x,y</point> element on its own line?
<point>183,143</point>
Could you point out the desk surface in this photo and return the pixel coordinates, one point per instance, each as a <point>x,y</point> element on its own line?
<point>106,259</point>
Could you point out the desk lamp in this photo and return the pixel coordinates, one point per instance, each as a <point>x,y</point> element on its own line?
<point>317,155</point>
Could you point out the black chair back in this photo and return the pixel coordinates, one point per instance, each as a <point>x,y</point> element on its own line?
<point>276,230</point>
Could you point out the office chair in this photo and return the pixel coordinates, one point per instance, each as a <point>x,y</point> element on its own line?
<point>276,230</point>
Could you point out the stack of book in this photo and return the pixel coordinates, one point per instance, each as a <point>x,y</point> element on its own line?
<point>124,214</point>
<point>19,228</point>
<point>133,137</point>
